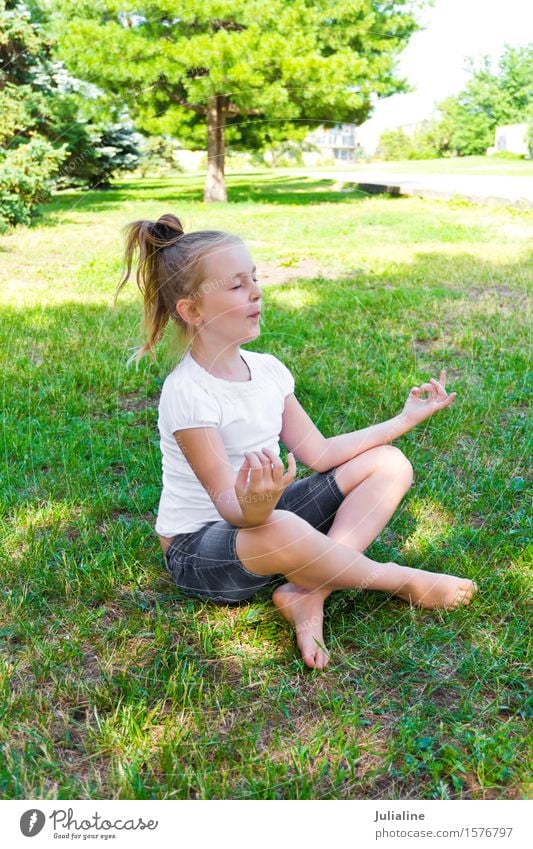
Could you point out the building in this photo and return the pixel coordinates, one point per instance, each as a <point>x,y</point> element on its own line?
<point>337,141</point>
<point>511,138</point>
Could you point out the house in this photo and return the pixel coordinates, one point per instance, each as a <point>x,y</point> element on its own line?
<point>510,137</point>
<point>337,141</point>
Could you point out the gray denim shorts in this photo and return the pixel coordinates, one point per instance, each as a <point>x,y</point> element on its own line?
<point>204,563</point>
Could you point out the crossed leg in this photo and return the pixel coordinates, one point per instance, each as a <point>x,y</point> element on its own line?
<point>374,483</point>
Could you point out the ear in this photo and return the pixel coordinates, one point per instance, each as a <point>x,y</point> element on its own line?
<point>187,309</point>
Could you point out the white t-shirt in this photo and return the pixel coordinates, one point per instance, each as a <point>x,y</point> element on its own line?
<point>248,415</point>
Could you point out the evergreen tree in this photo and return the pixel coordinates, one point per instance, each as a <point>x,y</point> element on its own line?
<point>248,72</point>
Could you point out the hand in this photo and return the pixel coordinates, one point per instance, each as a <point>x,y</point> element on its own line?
<point>259,496</point>
<point>418,409</point>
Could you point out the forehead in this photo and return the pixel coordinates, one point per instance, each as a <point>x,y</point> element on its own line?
<point>227,259</point>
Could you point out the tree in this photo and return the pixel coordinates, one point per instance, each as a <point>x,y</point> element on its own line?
<point>505,96</point>
<point>393,145</point>
<point>47,139</point>
<point>28,160</point>
<point>240,69</point>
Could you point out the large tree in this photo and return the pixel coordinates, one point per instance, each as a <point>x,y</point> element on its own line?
<point>491,97</point>
<point>247,71</point>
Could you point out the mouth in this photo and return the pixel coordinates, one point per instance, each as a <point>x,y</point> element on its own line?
<point>255,314</point>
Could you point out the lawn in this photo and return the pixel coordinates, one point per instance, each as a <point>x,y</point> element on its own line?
<point>466,166</point>
<point>113,684</point>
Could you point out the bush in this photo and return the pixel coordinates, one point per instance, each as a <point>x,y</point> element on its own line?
<point>100,153</point>
<point>158,156</point>
<point>398,145</point>
<point>26,180</point>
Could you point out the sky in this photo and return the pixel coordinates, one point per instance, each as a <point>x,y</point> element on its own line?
<point>434,60</point>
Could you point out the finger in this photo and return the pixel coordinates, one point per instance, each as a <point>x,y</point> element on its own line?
<point>438,386</point>
<point>256,468</point>
<point>242,476</point>
<point>415,390</point>
<point>451,397</point>
<point>428,387</point>
<point>277,465</point>
<point>290,474</point>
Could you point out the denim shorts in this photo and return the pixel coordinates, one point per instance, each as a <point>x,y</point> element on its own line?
<point>204,563</point>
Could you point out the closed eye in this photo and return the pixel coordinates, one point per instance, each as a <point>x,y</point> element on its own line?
<point>239,286</point>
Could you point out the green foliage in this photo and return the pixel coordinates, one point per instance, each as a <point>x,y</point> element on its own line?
<point>284,67</point>
<point>490,98</point>
<point>25,180</point>
<point>394,144</point>
<point>103,153</point>
<point>44,124</point>
<point>158,156</point>
<point>398,145</point>
<point>530,140</point>
<point>467,121</point>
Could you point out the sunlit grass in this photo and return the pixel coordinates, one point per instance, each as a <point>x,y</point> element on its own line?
<point>113,684</point>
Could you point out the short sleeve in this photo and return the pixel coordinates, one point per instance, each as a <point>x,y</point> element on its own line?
<point>186,404</point>
<point>284,376</point>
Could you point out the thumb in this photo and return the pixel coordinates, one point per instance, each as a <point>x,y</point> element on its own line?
<point>415,390</point>
<point>291,469</point>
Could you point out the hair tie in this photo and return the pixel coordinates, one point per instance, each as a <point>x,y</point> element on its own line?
<point>164,233</point>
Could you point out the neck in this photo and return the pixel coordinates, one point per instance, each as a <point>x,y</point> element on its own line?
<point>229,363</point>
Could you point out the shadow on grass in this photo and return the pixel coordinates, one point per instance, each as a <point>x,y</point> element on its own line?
<point>281,190</point>
<point>410,680</point>
<point>340,345</point>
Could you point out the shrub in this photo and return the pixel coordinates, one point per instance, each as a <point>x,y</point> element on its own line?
<point>26,180</point>
<point>101,152</point>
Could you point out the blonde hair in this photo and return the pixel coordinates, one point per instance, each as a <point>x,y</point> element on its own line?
<point>170,266</point>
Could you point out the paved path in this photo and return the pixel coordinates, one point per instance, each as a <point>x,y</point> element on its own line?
<point>517,191</point>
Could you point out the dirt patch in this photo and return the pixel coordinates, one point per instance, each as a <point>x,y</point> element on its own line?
<point>135,403</point>
<point>421,346</point>
<point>275,273</point>
<point>477,292</point>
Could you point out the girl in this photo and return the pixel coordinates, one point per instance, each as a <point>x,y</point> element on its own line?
<point>231,518</point>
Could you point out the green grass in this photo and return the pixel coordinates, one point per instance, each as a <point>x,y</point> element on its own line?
<point>112,683</point>
<point>467,166</point>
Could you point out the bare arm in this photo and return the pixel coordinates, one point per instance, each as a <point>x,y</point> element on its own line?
<point>320,453</point>
<point>339,449</point>
<point>205,452</point>
<point>300,435</point>
<point>239,501</point>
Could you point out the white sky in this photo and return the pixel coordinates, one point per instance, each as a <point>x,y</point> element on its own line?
<point>434,60</point>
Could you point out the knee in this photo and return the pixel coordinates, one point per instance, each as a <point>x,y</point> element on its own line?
<point>393,460</point>
<point>283,528</point>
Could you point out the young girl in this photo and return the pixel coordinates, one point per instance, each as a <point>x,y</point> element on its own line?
<point>231,519</point>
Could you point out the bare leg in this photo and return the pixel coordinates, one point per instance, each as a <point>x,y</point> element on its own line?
<point>362,515</point>
<point>312,561</point>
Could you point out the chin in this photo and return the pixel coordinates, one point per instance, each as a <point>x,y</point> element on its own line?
<point>253,335</point>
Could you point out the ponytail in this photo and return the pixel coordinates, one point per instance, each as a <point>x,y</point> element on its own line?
<point>149,237</point>
<point>169,268</point>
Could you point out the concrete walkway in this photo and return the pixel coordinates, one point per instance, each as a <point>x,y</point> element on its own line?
<point>516,191</point>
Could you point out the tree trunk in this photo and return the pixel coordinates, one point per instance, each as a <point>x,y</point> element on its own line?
<point>215,187</point>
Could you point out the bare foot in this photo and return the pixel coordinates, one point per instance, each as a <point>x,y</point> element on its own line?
<point>431,590</point>
<point>305,610</point>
